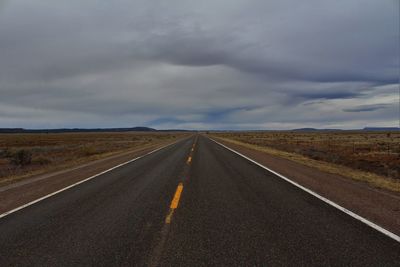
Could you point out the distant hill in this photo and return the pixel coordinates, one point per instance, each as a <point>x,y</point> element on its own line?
<point>314,130</point>
<point>364,129</point>
<point>381,129</point>
<point>76,130</point>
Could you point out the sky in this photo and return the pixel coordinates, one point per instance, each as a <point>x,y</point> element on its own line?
<point>210,64</point>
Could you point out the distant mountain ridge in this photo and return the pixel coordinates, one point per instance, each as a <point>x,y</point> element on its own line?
<point>148,129</point>
<point>314,130</point>
<point>364,129</point>
<point>381,129</point>
<point>77,130</point>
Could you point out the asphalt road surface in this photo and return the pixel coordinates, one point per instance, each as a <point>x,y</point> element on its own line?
<point>189,205</point>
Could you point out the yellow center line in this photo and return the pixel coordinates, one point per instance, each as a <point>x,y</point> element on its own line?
<point>189,159</point>
<point>174,203</point>
<point>177,196</point>
<point>169,216</point>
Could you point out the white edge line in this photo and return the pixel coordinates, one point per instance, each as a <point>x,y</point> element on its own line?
<point>333,204</point>
<point>81,181</point>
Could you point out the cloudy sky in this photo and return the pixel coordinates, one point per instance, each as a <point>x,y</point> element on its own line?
<point>210,64</point>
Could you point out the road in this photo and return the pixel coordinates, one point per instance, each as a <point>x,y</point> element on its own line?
<point>189,205</point>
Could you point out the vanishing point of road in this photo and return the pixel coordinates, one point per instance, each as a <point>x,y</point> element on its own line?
<point>193,203</point>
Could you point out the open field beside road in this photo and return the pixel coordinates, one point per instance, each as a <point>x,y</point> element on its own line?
<point>372,157</point>
<point>24,155</point>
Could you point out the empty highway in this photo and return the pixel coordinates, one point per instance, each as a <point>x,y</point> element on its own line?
<point>193,203</point>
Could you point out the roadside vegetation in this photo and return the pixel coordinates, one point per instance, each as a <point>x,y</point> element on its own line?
<point>373,157</point>
<point>23,155</point>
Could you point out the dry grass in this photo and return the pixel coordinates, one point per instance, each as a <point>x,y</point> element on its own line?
<point>51,152</point>
<point>372,157</point>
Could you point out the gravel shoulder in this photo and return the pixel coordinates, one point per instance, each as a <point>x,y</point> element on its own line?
<point>377,205</point>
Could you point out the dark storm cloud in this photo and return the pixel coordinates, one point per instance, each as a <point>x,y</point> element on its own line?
<point>364,108</point>
<point>209,64</point>
<point>328,95</point>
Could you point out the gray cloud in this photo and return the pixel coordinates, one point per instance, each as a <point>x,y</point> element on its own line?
<point>209,64</point>
<point>364,108</point>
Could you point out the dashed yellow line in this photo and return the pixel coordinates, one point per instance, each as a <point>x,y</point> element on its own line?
<point>178,192</point>
<point>177,196</point>
<point>169,216</point>
<point>174,203</point>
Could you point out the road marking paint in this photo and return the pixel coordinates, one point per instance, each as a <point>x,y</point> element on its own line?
<point>189,160</point>
<point>174,203</point>
<point>177,196</point>
<point>165,230</point>
<point>82,181</point>
<point>169,216</point>
<point>331,203</point>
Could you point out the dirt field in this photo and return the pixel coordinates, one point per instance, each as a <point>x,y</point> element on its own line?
<point>22,155</point>
<point>372,152</point>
